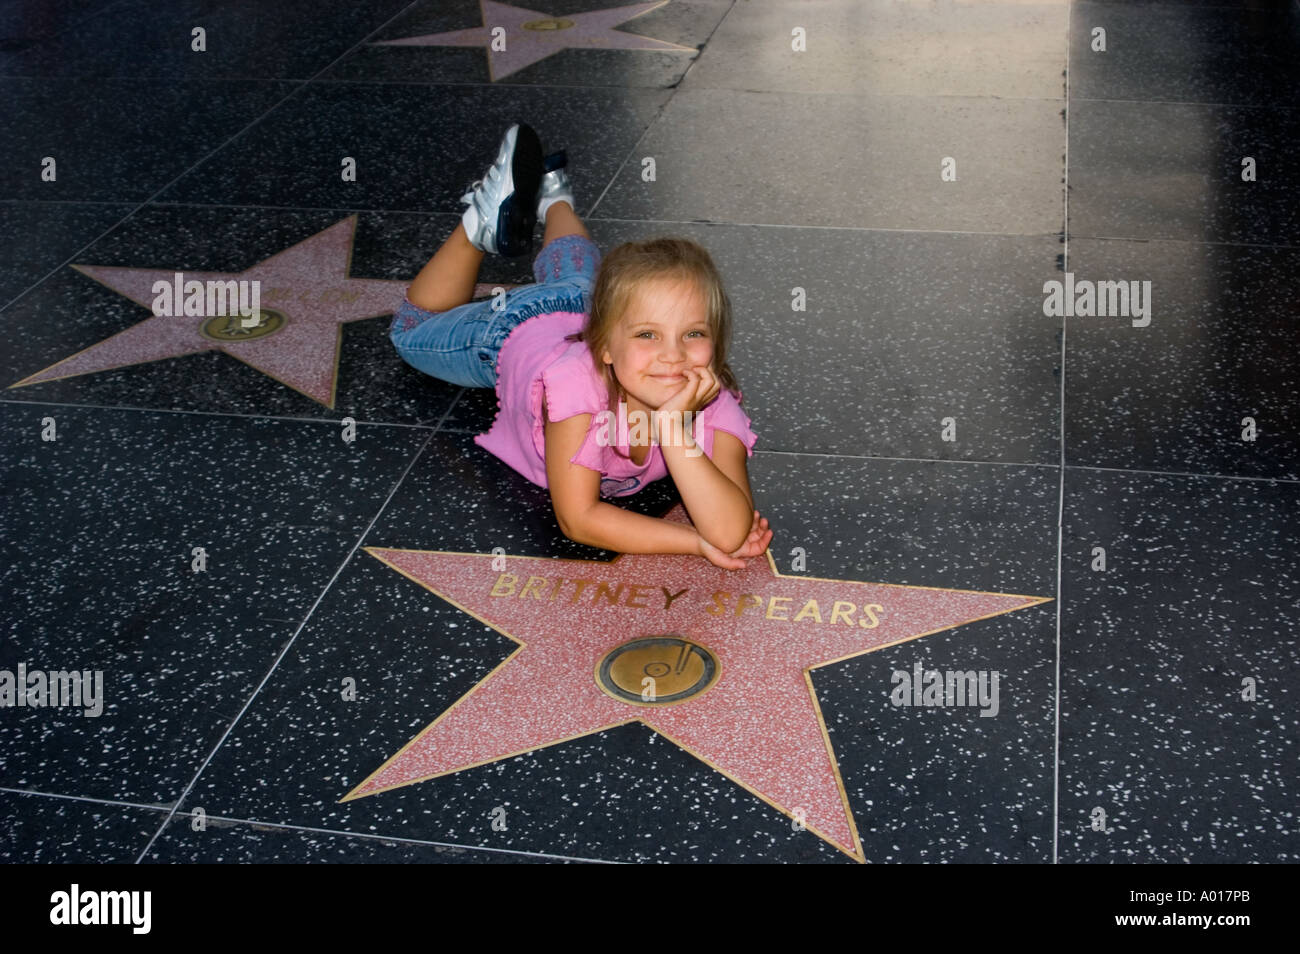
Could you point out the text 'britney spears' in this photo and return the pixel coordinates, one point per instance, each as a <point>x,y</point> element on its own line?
<point>598,593</point>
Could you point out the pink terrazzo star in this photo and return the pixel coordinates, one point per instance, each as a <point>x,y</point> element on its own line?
<point>759,724</point>
<point>307,283</point>
<point>531,36</point>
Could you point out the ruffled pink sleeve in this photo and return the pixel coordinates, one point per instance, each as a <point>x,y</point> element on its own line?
<point>724,414</point>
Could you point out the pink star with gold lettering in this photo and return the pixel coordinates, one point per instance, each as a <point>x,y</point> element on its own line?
<point>305,290</point>
<point>516,37</point>
<point>757,721</point>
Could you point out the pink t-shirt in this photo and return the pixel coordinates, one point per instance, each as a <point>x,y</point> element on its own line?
<point>535,360</point>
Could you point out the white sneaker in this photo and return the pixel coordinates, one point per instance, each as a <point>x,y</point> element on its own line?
<point>503,204</point>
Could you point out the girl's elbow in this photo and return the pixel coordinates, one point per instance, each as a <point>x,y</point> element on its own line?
<point>570,532</point>
<point>576,527</point>
<point>732,543</point>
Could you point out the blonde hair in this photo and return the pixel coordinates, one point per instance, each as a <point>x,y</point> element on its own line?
<point>627,268</point>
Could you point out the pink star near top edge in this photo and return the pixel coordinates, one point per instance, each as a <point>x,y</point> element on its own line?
<point>307,283</point>
<point>531,36</point>
<point>759,724</point>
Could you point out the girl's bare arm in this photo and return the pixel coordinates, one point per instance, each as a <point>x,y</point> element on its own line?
<point>720,505</point>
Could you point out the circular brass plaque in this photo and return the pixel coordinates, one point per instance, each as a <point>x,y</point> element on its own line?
<point>232,328</point>
<point>555,23</point>
<point>657,671</point>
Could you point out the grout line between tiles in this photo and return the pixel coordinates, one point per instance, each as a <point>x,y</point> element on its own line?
<point>343,833</point>
<point>1272,107</point>
<point>586,218</point>
<point>842,94</point>
<point>1182,473</point>
<point>437,427</point>
<point>286,826</point>
<point>232,414</point>
<point>1060,506</point>
<point>631,152</point>
<point>284,651</point>
<point>1009,463</point>
<point>647,221</point>
<point>113,802</point>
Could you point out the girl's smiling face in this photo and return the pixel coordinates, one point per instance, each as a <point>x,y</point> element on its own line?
<point>664,330</point>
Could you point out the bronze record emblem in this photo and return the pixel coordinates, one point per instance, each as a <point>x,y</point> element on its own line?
<point>657,671</point>
<point>231,327</point>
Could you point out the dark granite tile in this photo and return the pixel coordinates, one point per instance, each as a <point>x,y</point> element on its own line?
<point>229,842</point>
<point>1174,171</point>
<point>882,47</point>
<point>101,527</point>
<point>1201,592</point>
<point>40,829</point>
<point>117,139</point>
<point>73,313</point>
<point>291,39</point>
<point>26,22</point>
<point>539,54</point>
<point>37,237</point>
<point>627,793</point>
<point>960,784</point>
<point>1185,53</point>
<point>980,527</point>
<point>417,148</point>
<point>901,330</point>
<point>1173,395</point>
<point>860,162</point>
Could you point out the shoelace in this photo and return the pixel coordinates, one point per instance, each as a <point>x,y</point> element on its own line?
<point>494,174</point>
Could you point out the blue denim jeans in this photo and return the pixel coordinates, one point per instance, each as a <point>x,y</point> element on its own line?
<point>462,345</point>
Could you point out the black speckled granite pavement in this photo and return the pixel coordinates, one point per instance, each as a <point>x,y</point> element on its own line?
<point>888,206</point>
